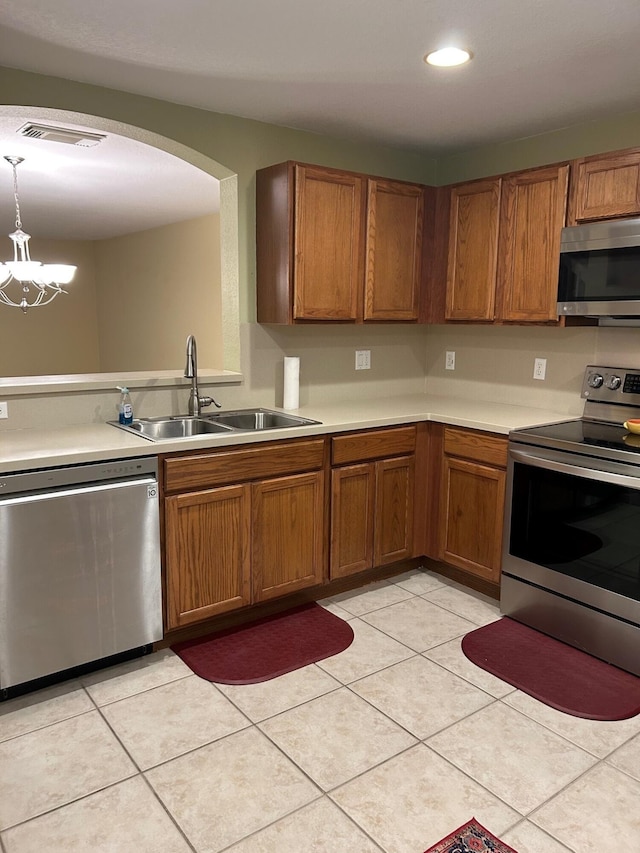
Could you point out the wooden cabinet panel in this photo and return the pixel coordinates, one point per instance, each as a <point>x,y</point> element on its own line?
<point>249,462</point>
<point>207,554</point>
<point>372,444</point>
<point>395,216</point>
<point>473,245</point>
<point>605,186</point>
<point>327,244</point>
<point>287,534</point>
<point>317,259</point>
<point>532,215</point>
<point>472,517</point>
<point>393,533</point>
<point>479,446</point>
<point>352,517</point>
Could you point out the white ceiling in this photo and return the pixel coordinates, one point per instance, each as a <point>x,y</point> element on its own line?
<point>350,68</point>
<point>116,187</point>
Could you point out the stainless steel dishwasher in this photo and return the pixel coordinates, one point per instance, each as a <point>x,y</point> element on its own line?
<point>79,567</point>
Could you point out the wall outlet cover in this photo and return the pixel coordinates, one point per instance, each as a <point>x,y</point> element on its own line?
<point>363,359</point>
<point>539,368</point>
<point>449,360</point>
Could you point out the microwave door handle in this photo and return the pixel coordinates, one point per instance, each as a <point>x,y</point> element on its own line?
<point>603,476</point>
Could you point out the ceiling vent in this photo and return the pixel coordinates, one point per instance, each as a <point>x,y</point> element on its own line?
<point>82,138</point>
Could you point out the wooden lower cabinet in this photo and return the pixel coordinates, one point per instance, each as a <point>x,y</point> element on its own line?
<point>472,496</point>
<point>287,534</point>
<point>228,545</point>
<point>207,536</point>
<point>372,502</point>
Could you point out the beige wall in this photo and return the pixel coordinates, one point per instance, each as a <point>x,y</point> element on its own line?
<point>156,287</point>
<point>61,337</point>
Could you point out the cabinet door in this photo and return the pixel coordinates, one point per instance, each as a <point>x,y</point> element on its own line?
<point>395,215</point>
<point>532,215</point>
<point>207,553</point>
<point>473,245</point>
<point>605,187</point>
<point>287,534</point>
<point>352,515</point>
<point>393,531</point>
<point>472,517</point>
<point>328,244</point>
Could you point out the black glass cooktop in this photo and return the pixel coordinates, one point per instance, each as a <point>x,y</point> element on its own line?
<point>581,436</point>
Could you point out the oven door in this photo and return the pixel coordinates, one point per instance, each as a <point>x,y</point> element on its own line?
<point>571,556</point>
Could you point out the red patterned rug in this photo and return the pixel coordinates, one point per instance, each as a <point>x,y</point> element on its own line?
<point>268,647</point>
<point>562,677</point>
<point>470,838</point>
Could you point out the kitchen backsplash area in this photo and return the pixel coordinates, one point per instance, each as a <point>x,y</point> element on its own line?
<point>496,363</point>
<point>491,364</point>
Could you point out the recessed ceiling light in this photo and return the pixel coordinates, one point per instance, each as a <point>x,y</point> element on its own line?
<point>448,56</point>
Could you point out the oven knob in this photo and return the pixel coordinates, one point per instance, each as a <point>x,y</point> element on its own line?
<point>594,380</point>
<point>613,382</point>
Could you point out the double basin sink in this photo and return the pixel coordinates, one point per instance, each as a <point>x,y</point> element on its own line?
<point>185,426</point>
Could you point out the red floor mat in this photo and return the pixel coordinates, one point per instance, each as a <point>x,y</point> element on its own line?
<point>553,672</point>
<point>471,838</point>
<point>268,647</point>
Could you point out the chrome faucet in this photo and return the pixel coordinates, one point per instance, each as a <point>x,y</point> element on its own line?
<point>196,402</point>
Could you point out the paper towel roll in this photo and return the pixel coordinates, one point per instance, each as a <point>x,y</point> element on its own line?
<point>291,396</point>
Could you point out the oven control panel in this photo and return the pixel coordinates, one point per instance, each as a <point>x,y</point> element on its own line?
<point>612,385</point>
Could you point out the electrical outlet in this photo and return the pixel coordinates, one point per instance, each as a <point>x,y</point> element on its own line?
<point>363,359</point>
<point>449,360</point>
<point>539,368</point>
<point>4,410</point>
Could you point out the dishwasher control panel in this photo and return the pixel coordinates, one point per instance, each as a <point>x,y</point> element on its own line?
<point>76,475</point>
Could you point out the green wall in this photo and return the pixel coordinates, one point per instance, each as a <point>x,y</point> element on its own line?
<point>578,140</point>
<point>242,145</point>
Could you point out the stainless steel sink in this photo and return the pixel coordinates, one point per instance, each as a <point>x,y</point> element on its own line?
<point>248,420</point>
<point>185,426</point>
<point>162,429</point>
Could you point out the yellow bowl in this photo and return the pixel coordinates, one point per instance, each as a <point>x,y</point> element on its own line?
<point>632,426</point>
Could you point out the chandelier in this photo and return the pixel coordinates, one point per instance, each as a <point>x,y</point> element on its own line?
<point>32,282</point>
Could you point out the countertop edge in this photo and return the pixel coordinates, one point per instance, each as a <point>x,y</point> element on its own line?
<point>29,449</point>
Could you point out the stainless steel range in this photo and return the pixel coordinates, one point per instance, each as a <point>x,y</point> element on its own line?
<point>571,556</point>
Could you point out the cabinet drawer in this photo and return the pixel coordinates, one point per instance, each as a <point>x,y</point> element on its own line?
<point>373,444</point>
<point>479,446</point>
<point>251,462</point>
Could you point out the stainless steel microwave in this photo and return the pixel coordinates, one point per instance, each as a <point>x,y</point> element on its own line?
<point>600,270</point>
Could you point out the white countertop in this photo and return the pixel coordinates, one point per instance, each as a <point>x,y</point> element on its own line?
<point>24,449</point>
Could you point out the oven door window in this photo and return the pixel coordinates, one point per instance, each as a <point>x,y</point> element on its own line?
<point>583,528</point>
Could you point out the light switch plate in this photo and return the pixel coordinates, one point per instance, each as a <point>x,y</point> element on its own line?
<point>449,360</point>
<point>4,410</point>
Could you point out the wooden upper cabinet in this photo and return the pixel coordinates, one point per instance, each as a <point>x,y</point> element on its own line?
<point>327,244</point>
<point>337,246</point>
<point>532,215</point>
<point>504,247</point>
<point>605,186</point>
<point>473,246</point>
<point>394,235</point>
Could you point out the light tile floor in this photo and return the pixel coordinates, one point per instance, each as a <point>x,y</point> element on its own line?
<point>388,746</point>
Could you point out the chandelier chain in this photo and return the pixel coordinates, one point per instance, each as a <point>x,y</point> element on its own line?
<point>15,195</point>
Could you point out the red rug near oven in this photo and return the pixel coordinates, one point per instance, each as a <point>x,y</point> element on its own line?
<point>470,838</point>
<point>553,672</point>
<point>268,647</point>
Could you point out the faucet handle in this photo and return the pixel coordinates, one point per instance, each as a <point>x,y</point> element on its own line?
<point>207,401</point>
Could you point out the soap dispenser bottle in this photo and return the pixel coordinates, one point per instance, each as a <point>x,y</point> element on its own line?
<point>125,407</point>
